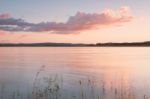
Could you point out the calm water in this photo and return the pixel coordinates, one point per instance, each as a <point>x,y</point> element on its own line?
<point>75,73</point>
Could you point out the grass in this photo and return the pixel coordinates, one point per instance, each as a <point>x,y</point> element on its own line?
<point>58,87</point>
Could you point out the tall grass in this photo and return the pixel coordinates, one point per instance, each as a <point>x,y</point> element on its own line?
<point>58,87</point>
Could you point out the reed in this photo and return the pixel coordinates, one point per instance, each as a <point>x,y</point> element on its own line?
<point>55,87</point>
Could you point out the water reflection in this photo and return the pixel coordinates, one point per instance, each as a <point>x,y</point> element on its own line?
<point>114,80</point>
<point>74,73</point>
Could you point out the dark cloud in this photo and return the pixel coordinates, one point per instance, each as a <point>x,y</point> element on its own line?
<point>11,24</point>
<point>79,22</point>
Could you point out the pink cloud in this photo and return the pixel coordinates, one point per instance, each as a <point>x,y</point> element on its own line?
<point>3,32</point>
<point>4,41</point>
<point>79,22</point>
<point>124,10</point>
<point>4,16</point>
<point>23,36</point>
<point>84,21</point>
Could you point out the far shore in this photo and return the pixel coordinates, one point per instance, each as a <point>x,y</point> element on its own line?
<point>110,44</point>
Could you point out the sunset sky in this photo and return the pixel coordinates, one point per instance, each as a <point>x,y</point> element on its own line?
<point>74,21</point>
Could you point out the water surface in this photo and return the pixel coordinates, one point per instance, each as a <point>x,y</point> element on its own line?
<point>75,72</point>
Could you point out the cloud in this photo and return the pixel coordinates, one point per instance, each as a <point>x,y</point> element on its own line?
<point>3,32</point>
<point>79,22</point>
<point>23,36</point>
<point>12,24</point>
<point>4,16</point>
<point>4,41</point>
<point>124,10</point>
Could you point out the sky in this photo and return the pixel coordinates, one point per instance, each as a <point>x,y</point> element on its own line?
<point>74,21</point>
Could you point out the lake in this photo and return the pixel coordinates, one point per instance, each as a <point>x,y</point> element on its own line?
<point>74,72</point>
